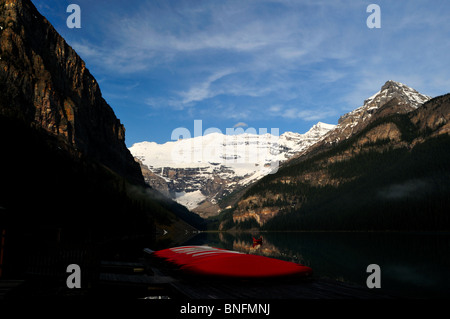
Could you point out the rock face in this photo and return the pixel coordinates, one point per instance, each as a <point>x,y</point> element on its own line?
<point>45,83</point>
<point>153,180</point>
<point>434,116</point>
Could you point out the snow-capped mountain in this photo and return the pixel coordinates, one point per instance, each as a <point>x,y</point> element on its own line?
<point>407,97</point>
<point>394,97</point>
<point>199,171</point>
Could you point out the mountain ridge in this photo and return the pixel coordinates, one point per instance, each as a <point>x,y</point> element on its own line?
<point>216,164</point>
<point>393,97</point>
<point>306,182</point>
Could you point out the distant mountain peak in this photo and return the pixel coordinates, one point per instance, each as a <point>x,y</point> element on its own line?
<point>392,89</point>
<point>401,97</point>
<point>393,98</point>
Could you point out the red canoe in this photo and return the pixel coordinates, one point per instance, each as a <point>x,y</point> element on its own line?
<point>211,261</point>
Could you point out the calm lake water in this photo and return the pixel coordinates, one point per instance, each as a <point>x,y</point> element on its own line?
<point>412,265</point>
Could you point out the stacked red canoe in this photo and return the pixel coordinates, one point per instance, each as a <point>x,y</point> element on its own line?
<point>211,261</point>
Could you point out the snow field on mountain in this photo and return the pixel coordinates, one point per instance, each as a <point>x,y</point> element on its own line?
<point>188,164</point>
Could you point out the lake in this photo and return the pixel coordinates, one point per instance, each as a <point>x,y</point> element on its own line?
<point>413,265</point>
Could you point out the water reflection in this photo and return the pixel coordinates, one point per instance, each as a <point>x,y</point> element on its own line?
<point>412,264</point>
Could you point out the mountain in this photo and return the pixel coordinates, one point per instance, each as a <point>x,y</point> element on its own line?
<point>45,82</point>
<point>64,161</point>
<point>393,98</point>
<point>384,167</point>
<point>200,171</point>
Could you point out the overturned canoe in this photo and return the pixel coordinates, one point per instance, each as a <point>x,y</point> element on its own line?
<point>211,261</point>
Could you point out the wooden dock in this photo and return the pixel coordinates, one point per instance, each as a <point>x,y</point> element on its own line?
<point>314,289</point>
<point>149,278</point>
<point>8,285</point>
<point>206,288</point>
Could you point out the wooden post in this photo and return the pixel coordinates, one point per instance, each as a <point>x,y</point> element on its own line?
<point>2,248</point>
<point>58,234</point>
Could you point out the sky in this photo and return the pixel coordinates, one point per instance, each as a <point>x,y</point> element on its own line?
<point>261,64</point>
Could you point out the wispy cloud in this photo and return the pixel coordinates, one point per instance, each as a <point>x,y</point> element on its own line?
<point>307,114</point>
<point>260,34</point>
<point>204,90</point>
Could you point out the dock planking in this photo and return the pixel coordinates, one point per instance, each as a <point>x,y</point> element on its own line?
<point>8,285</point>
<point>151,278</point>
<point>312,289</point>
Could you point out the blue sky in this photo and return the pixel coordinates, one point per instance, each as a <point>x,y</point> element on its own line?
<point>283,64</point>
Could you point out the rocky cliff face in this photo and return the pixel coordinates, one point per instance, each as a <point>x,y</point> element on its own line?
<point>156,182</point>
<point>44,83</point>
<point>63,163</point>
<point>434,116</point>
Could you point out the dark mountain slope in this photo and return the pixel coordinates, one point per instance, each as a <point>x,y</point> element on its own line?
<point>393,174</point>
<point>64,162</point>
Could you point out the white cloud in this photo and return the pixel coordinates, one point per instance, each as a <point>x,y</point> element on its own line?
<point>301,113</point>
<point>275,108</point>
<point>257,36</point>
<point>203,90</point>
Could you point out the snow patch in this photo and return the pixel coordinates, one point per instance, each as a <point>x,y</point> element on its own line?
<point>190,199</point>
